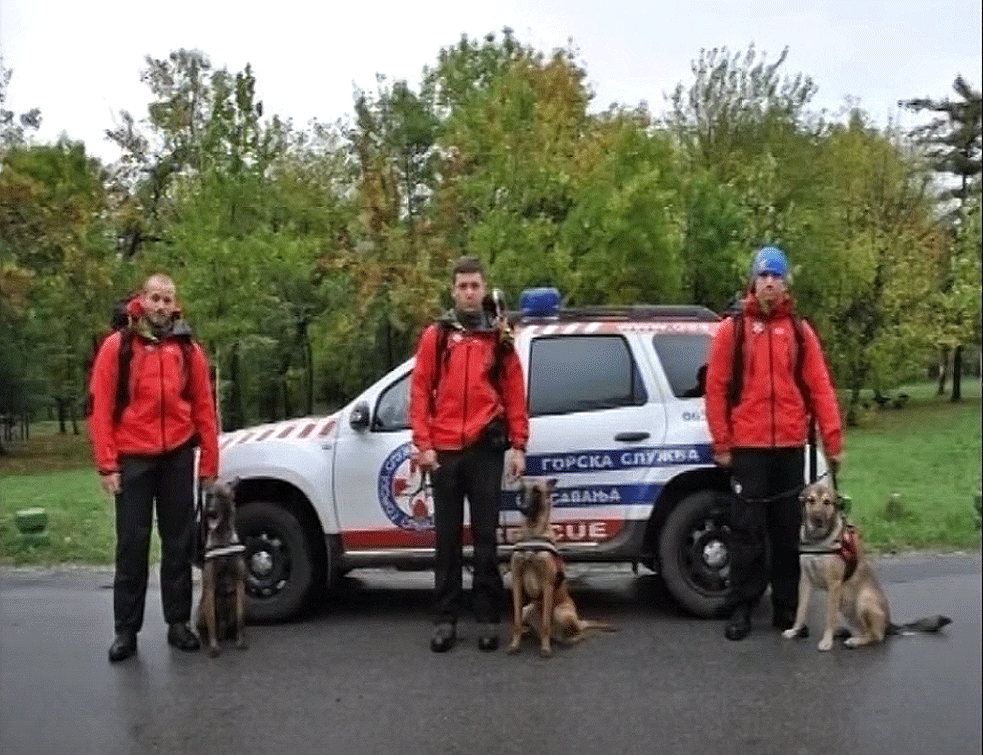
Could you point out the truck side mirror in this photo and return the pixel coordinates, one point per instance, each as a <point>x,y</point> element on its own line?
<point>359,416</point>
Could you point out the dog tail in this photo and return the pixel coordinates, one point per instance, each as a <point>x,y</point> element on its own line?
<point>926,624</point>
<point>599,626</point>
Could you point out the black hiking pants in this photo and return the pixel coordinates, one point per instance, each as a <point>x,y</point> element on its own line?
<point>167,480</point>
<point>475,473</point>
<point>765,533</point>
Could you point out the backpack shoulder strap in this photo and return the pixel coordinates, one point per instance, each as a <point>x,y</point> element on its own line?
<point>124,357</point>
<point>737,363</point>
<point>800,346</point>
<point>440,356</point>
<point>187,354</point>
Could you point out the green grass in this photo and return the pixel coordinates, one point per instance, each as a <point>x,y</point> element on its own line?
<point>55,472</point>
<point>928,453</point>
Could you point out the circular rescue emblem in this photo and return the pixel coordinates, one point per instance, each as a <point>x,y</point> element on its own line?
<point>404,495</point>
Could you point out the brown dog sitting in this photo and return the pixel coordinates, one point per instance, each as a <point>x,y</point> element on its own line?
<point>833,560</point>
<point>539,591</point>
<point>222,605</point>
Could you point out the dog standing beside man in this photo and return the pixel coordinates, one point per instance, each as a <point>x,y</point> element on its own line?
<point>152,405</point>
<point>767,380</point>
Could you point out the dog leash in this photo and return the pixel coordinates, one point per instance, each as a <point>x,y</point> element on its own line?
<point>736,488</point>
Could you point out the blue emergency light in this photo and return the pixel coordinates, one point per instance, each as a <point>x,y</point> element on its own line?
<point>539,302</point>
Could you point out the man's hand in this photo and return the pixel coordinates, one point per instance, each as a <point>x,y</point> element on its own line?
<point>425,461</point>
<point>517,463</point>
<point>110,483</point>
<point>722,459</point>
<point>835,462</point>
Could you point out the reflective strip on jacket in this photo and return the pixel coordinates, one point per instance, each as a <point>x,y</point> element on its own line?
<point>771,412</point>
<point>466,401</point>
<point>158,417</point>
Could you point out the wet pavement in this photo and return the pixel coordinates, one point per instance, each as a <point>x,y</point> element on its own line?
<point>358,677</point>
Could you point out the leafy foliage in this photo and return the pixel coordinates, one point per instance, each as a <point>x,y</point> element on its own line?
<point>309,258</point>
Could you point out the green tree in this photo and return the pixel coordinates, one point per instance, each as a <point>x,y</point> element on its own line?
<point>953,142</point>
<point>865,255</point>
<point>747,147</point>
<point>57,231</point>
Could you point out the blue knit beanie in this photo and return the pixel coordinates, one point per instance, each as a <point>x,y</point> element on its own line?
<point>770,259</point>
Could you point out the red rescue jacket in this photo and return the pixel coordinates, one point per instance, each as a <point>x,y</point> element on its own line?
<point>158,418</point>
<point>466,399</point>
<point>771,412</point>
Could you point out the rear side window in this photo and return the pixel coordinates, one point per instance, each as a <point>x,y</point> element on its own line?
<point>683,357</point>
<point>582,374</point>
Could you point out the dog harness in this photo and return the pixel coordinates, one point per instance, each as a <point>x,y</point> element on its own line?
<point>848,551</point>
<point>224,550</point>
<point>535,544</point>
<point>844,546</point>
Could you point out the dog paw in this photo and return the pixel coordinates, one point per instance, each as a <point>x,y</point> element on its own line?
<point>545,652</point>
<point>826,643</point>
<point>790,634</point>
<point>513,648</point>
<point>854,642</point>
<point>242,645</point>
<point>213,651</point>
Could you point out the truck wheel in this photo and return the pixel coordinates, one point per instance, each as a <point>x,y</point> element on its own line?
<point>694,550</point>
<point>279,562</point>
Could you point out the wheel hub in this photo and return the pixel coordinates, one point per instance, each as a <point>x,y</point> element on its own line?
<point>714,553</point>
<point>261,563</point>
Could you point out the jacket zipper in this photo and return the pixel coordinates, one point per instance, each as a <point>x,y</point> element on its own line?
<point>771,373</point>
<point>467,372</point>
<point>160,364</point>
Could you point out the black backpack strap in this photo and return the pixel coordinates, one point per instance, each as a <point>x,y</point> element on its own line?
<point>125,356</point>
<point>187,354</point>
<point>800,347</point>
<point>737,363</point>
<point>440,356</point>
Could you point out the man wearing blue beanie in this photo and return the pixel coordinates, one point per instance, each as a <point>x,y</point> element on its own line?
<point>767,381</point>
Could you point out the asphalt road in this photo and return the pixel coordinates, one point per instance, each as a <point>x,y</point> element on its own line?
<point>358,678</point>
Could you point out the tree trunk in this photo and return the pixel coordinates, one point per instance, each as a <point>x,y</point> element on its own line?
<point>62,416</point>
<point>309,360</point>
<point>943,368</point>
<point>234,412</point>
<point>853,410</point>
<point>957,374</point>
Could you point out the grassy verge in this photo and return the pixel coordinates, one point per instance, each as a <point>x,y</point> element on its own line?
<point>926,457</point>
<point>55,472</point>
<point>927,453</point>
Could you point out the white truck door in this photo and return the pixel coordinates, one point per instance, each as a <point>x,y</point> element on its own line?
<point>382,503</point>
<point>593,424</point>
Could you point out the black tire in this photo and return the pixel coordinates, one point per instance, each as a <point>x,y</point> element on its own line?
<point>694,551</point>
<point>280,562</point>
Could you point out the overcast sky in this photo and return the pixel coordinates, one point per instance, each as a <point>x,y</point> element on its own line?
<point>79,60</point>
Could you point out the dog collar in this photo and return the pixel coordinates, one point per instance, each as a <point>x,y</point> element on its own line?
<point>225,550</point>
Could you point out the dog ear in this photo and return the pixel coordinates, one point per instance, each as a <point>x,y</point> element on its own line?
<point>550,483</point>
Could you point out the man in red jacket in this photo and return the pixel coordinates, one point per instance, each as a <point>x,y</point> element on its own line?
<point>151,406</point>
<point>767,380</point>
<point>467,406</point>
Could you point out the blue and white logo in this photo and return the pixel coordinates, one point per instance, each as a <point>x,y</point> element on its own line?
<point>404,493</point>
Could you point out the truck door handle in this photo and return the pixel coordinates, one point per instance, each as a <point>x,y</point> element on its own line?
<point>630,437</point>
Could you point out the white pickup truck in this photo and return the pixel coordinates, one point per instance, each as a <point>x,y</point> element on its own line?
<point>616,415</point>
